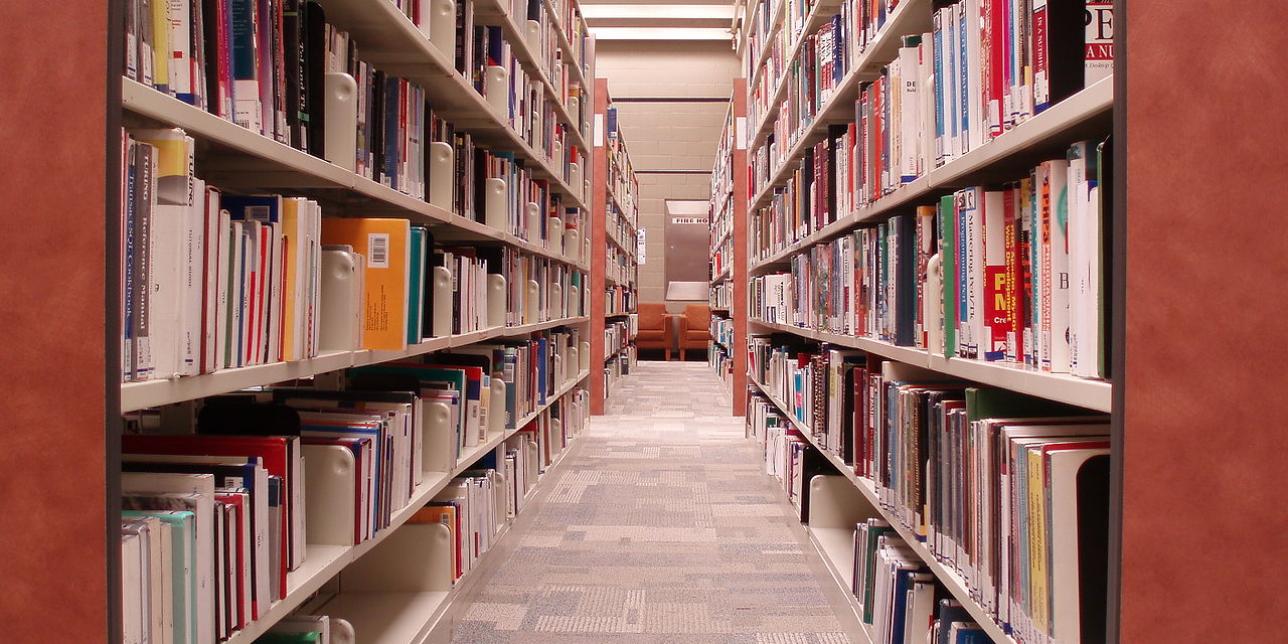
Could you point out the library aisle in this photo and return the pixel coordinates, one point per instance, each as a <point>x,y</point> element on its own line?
<point>661,527</point>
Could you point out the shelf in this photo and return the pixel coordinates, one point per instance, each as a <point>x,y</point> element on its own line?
<point>247,159</point>
<point>619,315</point>
<point>1056,126</point>
<point>154,393</point>
<point>1063,388</point>
<point>818,16</point>
<point>719,309</point>
<point>391,42</point>
<point>322,563</point>
<point>948,578</point>
<point>722,275</point>
<point>840,105</point>
<point>775,23</point>
<point>569,56</point>
<point>497,10</point>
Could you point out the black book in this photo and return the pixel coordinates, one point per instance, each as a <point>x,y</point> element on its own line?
<point>312,78</point>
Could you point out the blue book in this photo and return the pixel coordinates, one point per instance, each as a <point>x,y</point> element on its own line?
<point>949,612</point>
<point>392,135</point>
<point>543,346</point>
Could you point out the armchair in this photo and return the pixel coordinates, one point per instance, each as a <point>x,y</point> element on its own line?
<point>655,328</point>
<point>695,328</point>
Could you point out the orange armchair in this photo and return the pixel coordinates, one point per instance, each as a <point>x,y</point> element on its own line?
<point>695,328</point>
<point>654,328</point>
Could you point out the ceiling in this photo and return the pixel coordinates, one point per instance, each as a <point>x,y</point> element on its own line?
<point>652,20</point>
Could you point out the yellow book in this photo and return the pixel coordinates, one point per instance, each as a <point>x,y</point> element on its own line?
<point>386,244</point>
<point>1037,551</point>
<point>161,44</point>
<point>291,217</point>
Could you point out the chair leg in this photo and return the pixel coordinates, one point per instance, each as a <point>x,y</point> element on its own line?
<point>683,357</point>
<point>668,355</point>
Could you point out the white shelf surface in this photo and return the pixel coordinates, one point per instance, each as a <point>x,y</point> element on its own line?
<point>322,562</point>
<point>1063,388</point>
<point>154,393</point>
<point>948,578</point>
<point>402,617</point>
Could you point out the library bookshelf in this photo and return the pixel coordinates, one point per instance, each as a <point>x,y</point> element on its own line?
<point>554,51</point>
<point>728,259</point>
<point>614,285</point>
<point>782,135</point>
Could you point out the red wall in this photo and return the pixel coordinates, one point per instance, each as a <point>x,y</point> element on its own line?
<point>52,466</point>
<point>1205,519</point>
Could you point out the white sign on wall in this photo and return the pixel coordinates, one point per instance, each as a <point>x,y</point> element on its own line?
<point>689,220</point>
<point>639,246</point>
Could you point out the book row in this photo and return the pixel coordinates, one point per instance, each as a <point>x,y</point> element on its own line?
<point>568,16</point>
<point>619,299</point>
<point>722,259</point>
<point>619,335</point>
<point>619,266</point>
<point>822,59</point>
<point>722,331</point>
<point>1015,273</point>
<point>720,360</point>
<point>721,296</point>
<point>897,596</point>
<point>617,366</point>
<point>1008,491</point>
<point>211,280</point>
<point>622,183</point>
<point>273,66</point>
<point>1000,63</point>
<point>234,492</point>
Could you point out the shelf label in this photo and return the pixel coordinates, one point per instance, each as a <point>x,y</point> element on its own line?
<point>639,247</point>
<point>740,124</point>
<point>599,130</point>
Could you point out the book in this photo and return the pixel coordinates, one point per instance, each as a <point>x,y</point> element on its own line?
<point>386,245</point>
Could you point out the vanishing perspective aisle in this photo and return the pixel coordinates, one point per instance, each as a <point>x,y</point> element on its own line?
<point>661,527</point>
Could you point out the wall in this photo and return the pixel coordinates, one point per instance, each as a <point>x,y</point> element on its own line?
<point>667,134</point>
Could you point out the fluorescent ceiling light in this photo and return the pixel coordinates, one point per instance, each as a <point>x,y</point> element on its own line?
<point>660,33</point>
<point>657,12</point>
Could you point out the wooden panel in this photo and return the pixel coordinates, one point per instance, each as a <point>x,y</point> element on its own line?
<point>1203,519</point>
<point>52,283</point>
<point>598,248</point>
<point>740,254</point>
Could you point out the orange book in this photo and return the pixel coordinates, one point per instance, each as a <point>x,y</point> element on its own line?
<point>386,243</point>
<point>446,515</point>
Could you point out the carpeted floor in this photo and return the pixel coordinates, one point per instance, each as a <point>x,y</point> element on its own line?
<point>661,527</point>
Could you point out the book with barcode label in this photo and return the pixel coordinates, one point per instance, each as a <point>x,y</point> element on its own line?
<point>387,245</point>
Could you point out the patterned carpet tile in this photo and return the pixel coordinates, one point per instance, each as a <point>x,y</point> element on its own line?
<point>660,529</point>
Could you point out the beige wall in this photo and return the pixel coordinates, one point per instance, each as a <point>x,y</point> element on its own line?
<point>667,135</point>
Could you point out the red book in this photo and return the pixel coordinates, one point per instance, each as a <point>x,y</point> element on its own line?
<point>994,52</point>
<point>266,272</point>
<point>1014,291</point>
<point>279,455</point>
<point>239,549</point>
<point>251,313</point>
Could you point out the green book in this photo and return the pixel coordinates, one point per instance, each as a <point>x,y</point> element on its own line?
<point>948,263</point>
<point>416,284</point>
<point>289,638</point>
<point>183,553</point>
